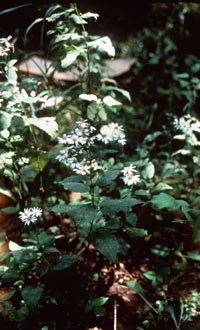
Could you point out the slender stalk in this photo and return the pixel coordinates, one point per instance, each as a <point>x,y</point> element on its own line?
<point>115,315</point>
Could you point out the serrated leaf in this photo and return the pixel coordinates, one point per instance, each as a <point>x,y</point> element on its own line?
<point>75,186</point>
<point>60,208</point>
<point>108,177</point>
<point>84,217</point>
<point>107,244</point>
<point>111,206</point>
<point>31,295</point>
<point>162,186</point>
<point>167,201</point>
<point>164,200</point>
<point>70,58</point>
<point>46,124</point>
<point>73,178</point>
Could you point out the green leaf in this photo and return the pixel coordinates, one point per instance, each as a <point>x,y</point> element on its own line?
<point>125,93</point>
<point>111,102</point>
<point>65,261</point>
<point>31,295</point>
<point>28,173</point>
<point>84,216</point>
<point>136,232</point>
<point>88,97</point>
<point>39,161</point>
<point>135,286</point>
<point>11,209</point>
<point>70,58</point>
<point>92,111</point>
<point>96,302</point>
<point>162,186</point>
<point>60,208</point>
<point>75,186</point>
<point>103,45</point>
<point>12,75</point>
<point>102,114</point>
<point>193,255</point>
<point>111,206</point>
<point>17,121</point>
<point>107,244</point>
<point>73,178</point>
<point>46,124</point>
<point>149,171</point>
<point>164,200</point>
<point>167,201</point>
<point>78,19</point>
<point>108,177</point>
<point>5,120</point>
<point>46,240</point>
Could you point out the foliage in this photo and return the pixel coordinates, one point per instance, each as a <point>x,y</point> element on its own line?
<point>81,188</point>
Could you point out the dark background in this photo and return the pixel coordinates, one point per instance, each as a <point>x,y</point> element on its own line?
<point>118,18</point>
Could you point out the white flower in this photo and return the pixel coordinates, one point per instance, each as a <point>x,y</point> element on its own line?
<point>75,139</point>
<point>129,170</point>
<point>52,101</point>
<point>94,165</point>
<point>131,179</point>
<point>63,156</point>
<point>181,123</point>
<point>5,46</point>
<point>112,133</point>
<point>21,161</point>
<point>63,139</point>
<point>36,211</point>
<point>82,169</point>
<point>30,215</point>
<point>27,217</point>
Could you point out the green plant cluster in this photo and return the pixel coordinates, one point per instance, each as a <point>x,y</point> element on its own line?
<point>95,172</point>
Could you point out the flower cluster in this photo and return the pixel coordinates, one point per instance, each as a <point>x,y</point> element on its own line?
<point>5,46</point>
<point>76,144</point>
<point>112,133</point>
<point>79,143</point>
<point>86,167</point>
<point>30,215</point>
<point>130,177</point>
